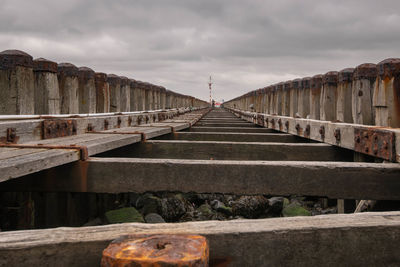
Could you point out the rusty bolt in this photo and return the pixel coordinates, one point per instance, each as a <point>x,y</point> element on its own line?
<point>336,133</point>
<point>322,131</point>
<point>385,145</point>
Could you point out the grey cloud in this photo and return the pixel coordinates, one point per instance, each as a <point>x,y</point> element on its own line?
<point>243,44</point>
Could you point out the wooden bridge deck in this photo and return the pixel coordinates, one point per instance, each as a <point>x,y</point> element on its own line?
<point>34,155</point>
<point>217,153</point>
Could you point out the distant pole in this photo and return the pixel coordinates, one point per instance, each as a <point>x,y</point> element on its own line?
<point>209,86</point>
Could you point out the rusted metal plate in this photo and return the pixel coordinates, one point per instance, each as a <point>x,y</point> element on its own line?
<point>157,250</point>
<point>58,128</point>
<point>375,142</point>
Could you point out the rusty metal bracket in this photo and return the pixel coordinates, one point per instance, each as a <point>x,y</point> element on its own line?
<point>84,155</point>
<point>58,128</point>
<point>375,142</point>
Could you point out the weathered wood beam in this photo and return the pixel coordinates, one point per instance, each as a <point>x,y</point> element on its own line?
<point>27,128</point>
<point>377,141</point>
<point>231,129</point>
<point>233,137</point>
<point>223,124</point>
<point>345,180</point>
<point>219,150</point>
<point>296,241</point>
<point>25,161</point>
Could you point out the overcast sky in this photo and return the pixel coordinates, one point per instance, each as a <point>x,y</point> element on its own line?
<point>244,45</point>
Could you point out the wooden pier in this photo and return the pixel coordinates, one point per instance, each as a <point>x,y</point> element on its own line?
<point>301,138</point>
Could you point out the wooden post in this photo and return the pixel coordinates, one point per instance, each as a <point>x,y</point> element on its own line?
<point>344,95</point>
<point>265,100</point>
<point>147,96</point>
<point>286,98</point>
<point>278,99</point>
<point>16,83</point>
<point>293,101</point>
<point>163,96</point>
<point>258,104</point>
<point>133,95</point>
<point>114,83</point>
<point>328,96</point>
<point>386,99</point>
<point>142,95</point>
<point>125,94</point>
<point>47,93</point>
<point>364,79</point>
<point>271,95</point>
<point>168,98</point>
<point>157,250</point>
<point>304,99</point>
<point>154,89</point>
<point>87,90</point>
<point>69,85</point>
<point>316,87</point>
<point>102,93</point>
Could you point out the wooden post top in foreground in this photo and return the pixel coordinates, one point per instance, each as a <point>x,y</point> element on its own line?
<point>157,250</point>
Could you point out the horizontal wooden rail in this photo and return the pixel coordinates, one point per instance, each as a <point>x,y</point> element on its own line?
<point>298,241</point>
<point>309,178</point>
<point>376,141</point>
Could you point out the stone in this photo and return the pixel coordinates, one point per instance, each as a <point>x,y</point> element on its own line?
<point>295,209</point>
<point>154,218</point>
<point>148,203</point>
<point>275,205</point>
<point>124,215</point>
<point>172,208</point>
<point>250,207</point>
<point>204,212</point>
<point>220,207</point>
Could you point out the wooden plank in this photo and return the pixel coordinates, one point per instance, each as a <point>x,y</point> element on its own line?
<point>110,142</point>
<point>343,180</point>
<point>33,162</point>
<point>8,153</point>
<point>233,137</point>
<point>176,126</point>
<point>231,129</point>
<point>210,124</point>
<point>95,143</point>
<point>220,150</point>
<point>296,241</point>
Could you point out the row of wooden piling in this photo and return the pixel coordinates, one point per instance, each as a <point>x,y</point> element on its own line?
<point>368,94</point>
<point>42,86</point>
